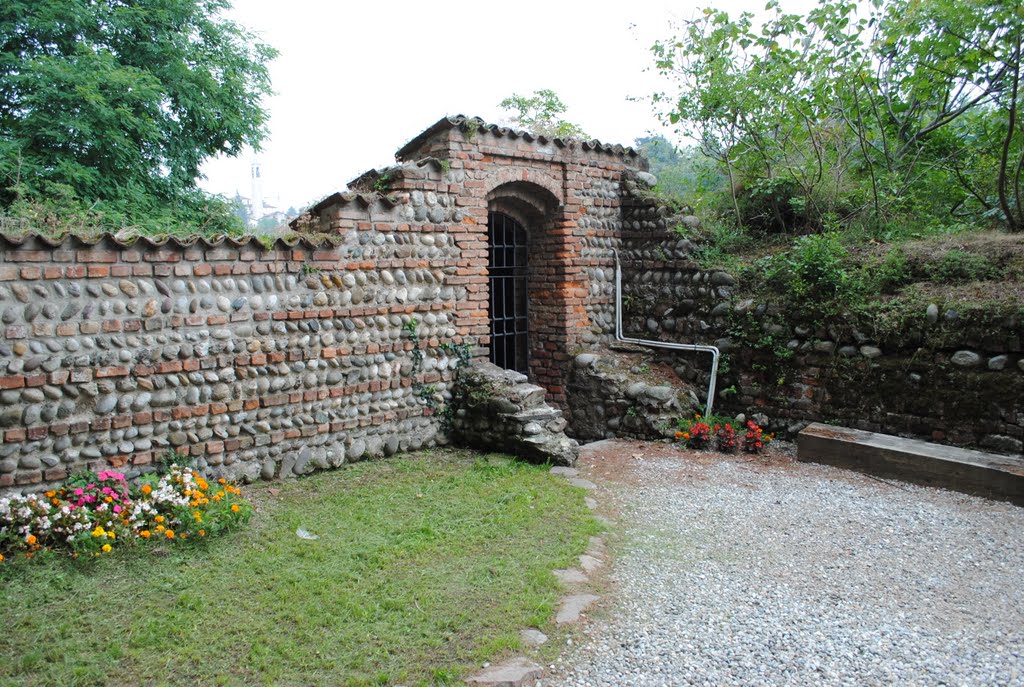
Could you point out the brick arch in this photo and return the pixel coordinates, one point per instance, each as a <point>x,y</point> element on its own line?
<point>536,199</point>
<point>525,179</point>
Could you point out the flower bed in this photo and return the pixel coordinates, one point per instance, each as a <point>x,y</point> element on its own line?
<point>699,433</point>
<point>93,514</point>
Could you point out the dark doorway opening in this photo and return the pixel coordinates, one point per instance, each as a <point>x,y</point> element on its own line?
<point>507,273</point>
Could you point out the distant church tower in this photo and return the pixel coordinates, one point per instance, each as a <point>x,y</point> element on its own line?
<point>257,192</point>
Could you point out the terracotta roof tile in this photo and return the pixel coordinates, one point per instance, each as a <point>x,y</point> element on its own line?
<point>145,242</point>
<point>460,121</point>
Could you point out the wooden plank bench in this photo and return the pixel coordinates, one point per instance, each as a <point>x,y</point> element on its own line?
<point>949,467</point>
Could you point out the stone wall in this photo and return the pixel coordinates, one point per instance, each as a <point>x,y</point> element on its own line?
<point>254,361</point>
<point>626,391</point>
<point>569,195</point>
<point>269,361</point>
<point>948,378</point>
<point>273,361</point>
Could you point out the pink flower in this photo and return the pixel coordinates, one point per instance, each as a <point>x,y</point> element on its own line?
<point>79,491</point>
<point>117,509</point>
<point>107,490</point>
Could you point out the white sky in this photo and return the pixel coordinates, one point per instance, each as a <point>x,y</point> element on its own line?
<point>354,81</point>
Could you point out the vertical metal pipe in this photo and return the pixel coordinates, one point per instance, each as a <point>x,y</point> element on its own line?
<point>715,353</point>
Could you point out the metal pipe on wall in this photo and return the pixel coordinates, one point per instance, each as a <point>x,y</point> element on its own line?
<point>715,353</point>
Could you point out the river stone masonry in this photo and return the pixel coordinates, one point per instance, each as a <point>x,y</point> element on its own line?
<point>255,362</point>
<point>263,362</point>
<point>271,361</point>
<point>949,377</point>
<point>622,392</point>
<point>499,410</point>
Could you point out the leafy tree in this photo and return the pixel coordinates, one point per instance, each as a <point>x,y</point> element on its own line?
<point>539,114</point>
<point>684,173</point>
<point>881,108</point>
<point>113,106</point>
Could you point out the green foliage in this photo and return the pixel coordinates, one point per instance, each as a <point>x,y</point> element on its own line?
<point>892,272</point>
<point>813,278</point>
<point>755,333</point>
<point>956,266</point>
<point>428,393</point>
<point>382,183</point>
<point>539,114</point>
<point>684,174</point>
<point>815,268</point>
<point>856,112</point>
<point>717,242</point>
<point>108,109</point>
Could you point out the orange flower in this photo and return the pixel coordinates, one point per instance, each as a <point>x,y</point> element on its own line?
<point>1,558</point>
<point>234,507</point>
<point>146,489</point>
<point>160,528</point>
<point>145,534</point>
<point>202,533</point>
<point>159,518</point>
<point>222,481</point>
<point>30,539</point>
<point>50,494</point>
<point>169,534</point>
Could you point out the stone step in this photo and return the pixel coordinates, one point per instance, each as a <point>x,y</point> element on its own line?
<point>972,472</point>
<point>541,415</point>
<point>515,672</point>
<point>573,607</point>
<point>528,396</point>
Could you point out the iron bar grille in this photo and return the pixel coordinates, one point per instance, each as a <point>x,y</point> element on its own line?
<point>507,273</point>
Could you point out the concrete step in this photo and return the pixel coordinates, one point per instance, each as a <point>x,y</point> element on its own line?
<point>972,472</point>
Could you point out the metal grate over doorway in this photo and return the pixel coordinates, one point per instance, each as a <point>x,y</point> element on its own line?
<point>507,272</point>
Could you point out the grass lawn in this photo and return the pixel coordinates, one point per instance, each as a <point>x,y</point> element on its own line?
<point>426,566</point>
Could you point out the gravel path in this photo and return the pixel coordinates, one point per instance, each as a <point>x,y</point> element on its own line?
<point>732,572</point>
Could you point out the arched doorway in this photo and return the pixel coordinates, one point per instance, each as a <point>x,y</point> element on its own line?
<point>507,271</point>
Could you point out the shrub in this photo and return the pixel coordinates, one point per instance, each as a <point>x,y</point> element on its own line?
<point>725,438</point>
<point>694,433</point>
<point>754,439</point>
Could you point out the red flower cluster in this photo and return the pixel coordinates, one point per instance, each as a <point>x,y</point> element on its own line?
<point>725,438</point>
<point>755,438</point>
